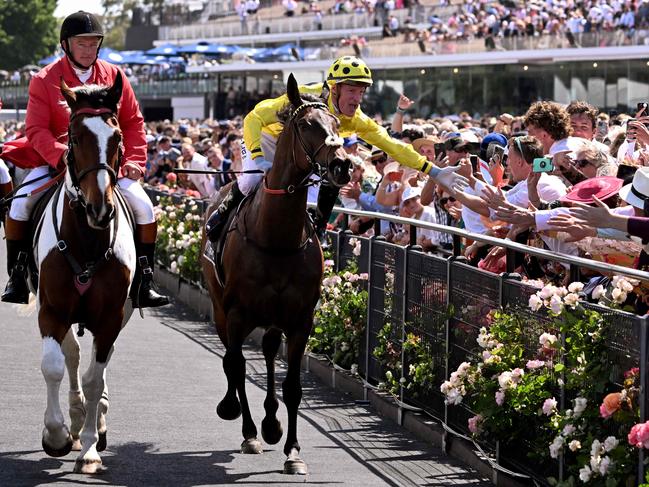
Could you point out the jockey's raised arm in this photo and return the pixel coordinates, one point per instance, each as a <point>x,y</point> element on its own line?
<point>347,79</point>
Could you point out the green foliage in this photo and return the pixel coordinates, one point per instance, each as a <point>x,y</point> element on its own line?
<point>28,31</point>
<point>341,315</point>
<point>515,389</point>
<point>178,245</point>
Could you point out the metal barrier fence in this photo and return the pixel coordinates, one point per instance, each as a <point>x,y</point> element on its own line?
<point>444,301</point>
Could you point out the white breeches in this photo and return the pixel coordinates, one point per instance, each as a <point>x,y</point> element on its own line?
<point>248,182</point>
<point>138,200</point>
<point>21,207</point>
<point>5,177</point>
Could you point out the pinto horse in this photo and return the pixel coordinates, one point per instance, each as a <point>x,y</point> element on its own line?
<point>272,264</point>
<point>85,255</point>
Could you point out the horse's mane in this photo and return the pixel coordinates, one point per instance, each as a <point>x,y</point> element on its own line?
<point>94,95</point>
<point>284,113</point>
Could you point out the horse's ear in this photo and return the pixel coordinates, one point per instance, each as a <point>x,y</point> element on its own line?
<point>69,95</point>
<point>115,91</point>
<point>293,92</point>
<point>325,92</point>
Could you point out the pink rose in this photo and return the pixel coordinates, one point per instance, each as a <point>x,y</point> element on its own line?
<point>500,398</point>
<point>639,435</point>
<point>474,424</point>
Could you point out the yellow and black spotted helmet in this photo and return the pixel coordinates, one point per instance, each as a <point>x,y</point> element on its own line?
<point>349,69</point>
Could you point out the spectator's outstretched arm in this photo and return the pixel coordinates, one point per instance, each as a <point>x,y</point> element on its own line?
<point>403,105</point>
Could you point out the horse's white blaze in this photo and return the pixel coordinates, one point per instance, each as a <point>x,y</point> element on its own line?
<point>53,368</point>
<point>103,132</point>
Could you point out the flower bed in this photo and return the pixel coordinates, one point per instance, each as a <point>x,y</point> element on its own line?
<point>178,244</point>
<point>544,383</point>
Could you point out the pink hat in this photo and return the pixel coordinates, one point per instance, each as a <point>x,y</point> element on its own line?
<point>603,187</point>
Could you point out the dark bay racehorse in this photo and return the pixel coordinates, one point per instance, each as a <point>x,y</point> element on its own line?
<point>273,267</point>
<point>86,258</point>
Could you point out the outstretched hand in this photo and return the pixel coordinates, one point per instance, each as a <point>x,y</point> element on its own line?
<point>595,216</point>
<point>452,181</point>
<point>494,198</point>
<point>576,228</point>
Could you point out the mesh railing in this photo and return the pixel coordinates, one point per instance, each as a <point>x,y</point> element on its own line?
<point>443,302</point>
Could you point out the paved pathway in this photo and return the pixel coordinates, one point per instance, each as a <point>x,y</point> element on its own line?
<point>165,379</point>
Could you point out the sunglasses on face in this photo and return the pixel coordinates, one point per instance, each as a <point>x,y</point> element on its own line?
<point>582,163</point>
<point>379,160</point>
<point>446,199</point>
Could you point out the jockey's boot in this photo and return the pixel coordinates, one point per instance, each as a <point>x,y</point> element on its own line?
<point>143,290</point>
<point>219,217</point>
<point>16,290</point>
<point>327,197</point>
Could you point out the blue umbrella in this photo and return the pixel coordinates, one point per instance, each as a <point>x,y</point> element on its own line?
<point>110,55</point>
<point>164,50</point>
<point>202,47</point>
<point>287,52</point>
<point>49,59</point>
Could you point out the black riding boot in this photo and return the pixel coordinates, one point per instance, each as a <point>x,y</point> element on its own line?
<point>217,220</point>
<point>16,290</point>
<point>327,197</point>
<point>143,291</point>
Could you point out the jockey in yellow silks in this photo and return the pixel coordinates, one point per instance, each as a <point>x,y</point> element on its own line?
<point>347,78</point>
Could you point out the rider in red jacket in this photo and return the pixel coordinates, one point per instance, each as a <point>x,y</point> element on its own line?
<point>46,128</point>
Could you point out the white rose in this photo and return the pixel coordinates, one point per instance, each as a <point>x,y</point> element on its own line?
<point>574,445</point>
<point>585,473</point>
<point>618,295</point>
<point>535,302</point>
<point>556,305</point>
<point>571,299</point>
<point>598,292</point>
<point>576,287</point>
<point>610,443</point>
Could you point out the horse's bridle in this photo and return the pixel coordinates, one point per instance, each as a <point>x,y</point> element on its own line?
<point>70,161</point>
<point>316,167</point>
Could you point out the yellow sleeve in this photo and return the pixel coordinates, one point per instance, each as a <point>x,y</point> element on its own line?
<point>264,114</point>
<point>372,133</point>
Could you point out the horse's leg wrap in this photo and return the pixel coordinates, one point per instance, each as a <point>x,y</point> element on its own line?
<point>217,220</point>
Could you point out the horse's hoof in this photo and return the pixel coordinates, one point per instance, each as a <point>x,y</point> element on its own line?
<point>229,410</point>
<point>101,442</point>
<point>295,467</point>
<point>58,452</point>
<point>88,467</point>
<point>76,444</point>
<point>271,430</point>
<point>252,446</point>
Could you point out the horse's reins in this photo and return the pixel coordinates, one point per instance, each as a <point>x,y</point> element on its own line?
<point>83,277</point>
<point>13,196</point>
<point>316,167</point>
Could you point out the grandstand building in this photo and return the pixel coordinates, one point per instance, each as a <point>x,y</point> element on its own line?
<point>477,73</point>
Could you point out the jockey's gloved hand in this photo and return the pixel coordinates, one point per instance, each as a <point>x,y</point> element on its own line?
<point>448,178</point>
<point>262,163</point>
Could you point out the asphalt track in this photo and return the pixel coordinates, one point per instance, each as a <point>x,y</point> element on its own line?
<point>165,380</point>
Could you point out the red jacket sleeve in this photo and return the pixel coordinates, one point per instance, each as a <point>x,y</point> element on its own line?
<point>38,123</point>
<point>132,124</point>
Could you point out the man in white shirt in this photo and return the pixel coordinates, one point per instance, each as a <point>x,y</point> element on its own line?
<point>193,160</point>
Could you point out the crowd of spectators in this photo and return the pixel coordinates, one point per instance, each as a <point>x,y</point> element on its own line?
<point>548,177</point>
